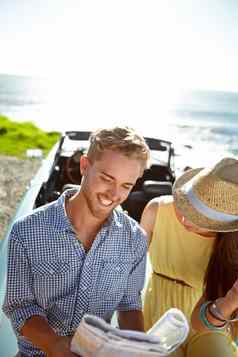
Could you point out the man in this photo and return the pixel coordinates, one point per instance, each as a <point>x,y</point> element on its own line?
<point>79,254</point>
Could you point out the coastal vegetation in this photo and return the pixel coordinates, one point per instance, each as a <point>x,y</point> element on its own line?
<point>17,137</point>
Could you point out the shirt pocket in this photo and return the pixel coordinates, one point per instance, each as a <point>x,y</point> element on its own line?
<point>50,268</point>
<point>52,280</point>
<point>112,279</point>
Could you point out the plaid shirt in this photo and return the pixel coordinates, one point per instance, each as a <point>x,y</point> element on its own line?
<point>51,275</point>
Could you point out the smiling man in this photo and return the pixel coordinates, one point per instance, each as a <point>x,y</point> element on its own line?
<point>80,254</point>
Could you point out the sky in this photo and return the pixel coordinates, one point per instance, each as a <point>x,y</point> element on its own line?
<point>122,53</point>
<point>184,43</point>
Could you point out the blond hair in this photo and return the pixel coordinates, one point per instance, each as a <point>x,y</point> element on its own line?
<point>120,139</point>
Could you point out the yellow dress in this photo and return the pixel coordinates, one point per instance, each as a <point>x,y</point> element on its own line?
<point>179,254</point>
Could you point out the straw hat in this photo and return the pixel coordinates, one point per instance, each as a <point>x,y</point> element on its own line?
<point>208,197</point>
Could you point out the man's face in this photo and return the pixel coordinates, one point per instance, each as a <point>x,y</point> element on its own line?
<point>108,181</point>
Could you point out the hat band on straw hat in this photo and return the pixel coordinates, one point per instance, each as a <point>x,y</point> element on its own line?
<point>204,209</point>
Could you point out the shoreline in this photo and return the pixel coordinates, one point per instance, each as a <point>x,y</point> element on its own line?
<point>15,176</point>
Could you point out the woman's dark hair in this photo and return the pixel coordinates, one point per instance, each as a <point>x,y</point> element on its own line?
<point>222,270</point>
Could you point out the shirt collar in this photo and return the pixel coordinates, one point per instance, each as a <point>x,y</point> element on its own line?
<point>63,221</point>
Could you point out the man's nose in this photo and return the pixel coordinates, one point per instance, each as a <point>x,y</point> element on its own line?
<point>114,192</point>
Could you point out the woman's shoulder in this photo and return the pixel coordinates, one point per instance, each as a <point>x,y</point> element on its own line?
<point>150,211</point>
<point>157,202</point>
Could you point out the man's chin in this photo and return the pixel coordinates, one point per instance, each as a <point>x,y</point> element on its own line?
<point>103,212</point>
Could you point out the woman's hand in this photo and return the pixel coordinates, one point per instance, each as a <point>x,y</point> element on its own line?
<point>229,303</point>
<point>232,295</point>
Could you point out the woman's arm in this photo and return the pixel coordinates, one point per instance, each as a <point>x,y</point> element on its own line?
<point>148,217</point>
<point>226,307</point>
<point>196,322</point>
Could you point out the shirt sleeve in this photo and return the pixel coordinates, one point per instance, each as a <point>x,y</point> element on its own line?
<point>19,303</point>
<point>132,297</point>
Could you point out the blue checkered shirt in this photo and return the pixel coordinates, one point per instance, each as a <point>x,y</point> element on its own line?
<point>51,275</point>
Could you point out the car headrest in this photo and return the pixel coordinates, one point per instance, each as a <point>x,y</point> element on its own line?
<point>157,188</point>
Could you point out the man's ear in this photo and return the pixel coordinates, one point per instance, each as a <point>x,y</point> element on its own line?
<point>84,164</point>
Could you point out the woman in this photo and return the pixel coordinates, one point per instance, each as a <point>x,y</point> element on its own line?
<point>184,245</point>
<point>217,309</point>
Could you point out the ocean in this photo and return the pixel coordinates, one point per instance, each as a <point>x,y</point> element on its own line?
<point>202,125</point>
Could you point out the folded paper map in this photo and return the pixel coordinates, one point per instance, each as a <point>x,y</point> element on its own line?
<point>95,337</point>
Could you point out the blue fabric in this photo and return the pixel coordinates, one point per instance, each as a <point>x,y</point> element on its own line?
<point>51,275</point>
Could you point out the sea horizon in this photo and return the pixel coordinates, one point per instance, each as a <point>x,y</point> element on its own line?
<point>201,124</point>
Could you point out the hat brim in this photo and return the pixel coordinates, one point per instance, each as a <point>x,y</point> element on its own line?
<point>186,208</point>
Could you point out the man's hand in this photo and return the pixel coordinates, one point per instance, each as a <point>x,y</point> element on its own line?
<point>39,332</point>
<point>61,348</point>
<point>131,320</point>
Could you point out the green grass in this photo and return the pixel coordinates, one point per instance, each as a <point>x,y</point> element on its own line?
<point>16,138</point>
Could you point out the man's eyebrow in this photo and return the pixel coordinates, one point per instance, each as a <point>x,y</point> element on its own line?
<point>113,178</point>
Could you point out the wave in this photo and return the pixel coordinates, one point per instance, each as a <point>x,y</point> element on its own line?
<point>206,114</point>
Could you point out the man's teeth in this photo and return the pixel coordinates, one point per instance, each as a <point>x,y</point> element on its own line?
<point>106,202</point>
